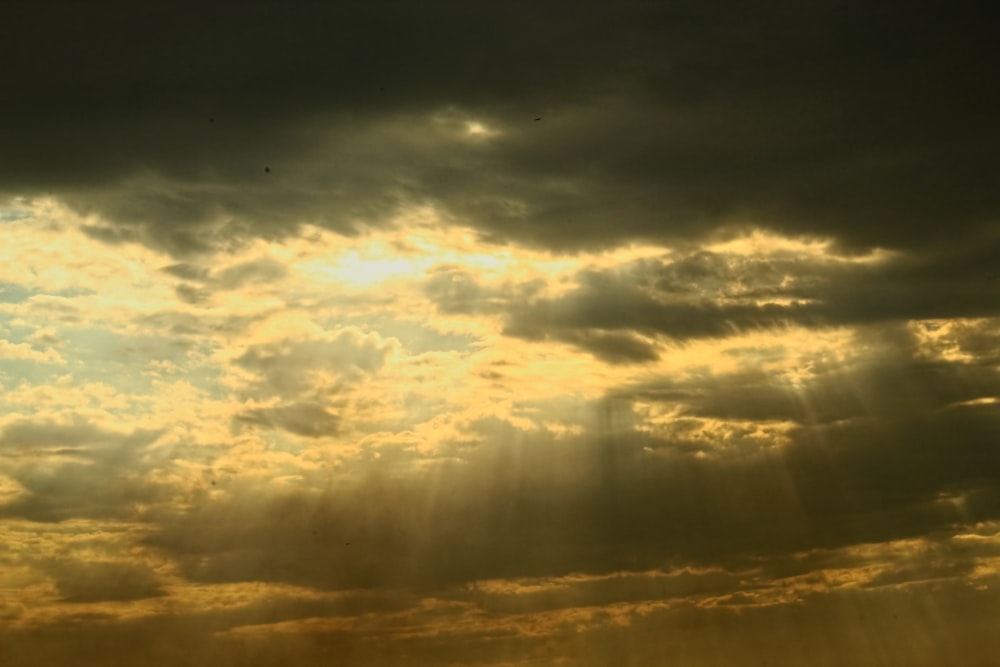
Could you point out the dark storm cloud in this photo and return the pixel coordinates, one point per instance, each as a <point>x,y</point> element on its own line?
<point>626,309</point>
<point>713,295</point>
<point>192,127</point>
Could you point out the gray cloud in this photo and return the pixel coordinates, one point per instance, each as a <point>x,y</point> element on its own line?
<point>613,347</point>
<point>305,419</point>
<point>849,121</point>
<point>289,368</point>
<point>191,294</point>
<point>263,270</point>
<point>260,271</point>
<point>102,581</point>
<point>706,295</point>
<point>76,470</point>
<point>886,388</point>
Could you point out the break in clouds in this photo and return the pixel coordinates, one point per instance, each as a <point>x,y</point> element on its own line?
<point>450,334</point>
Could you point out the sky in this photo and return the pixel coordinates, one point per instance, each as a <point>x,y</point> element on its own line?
<point>481,334</point>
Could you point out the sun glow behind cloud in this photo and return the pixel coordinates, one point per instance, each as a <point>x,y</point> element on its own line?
<point>407,254</point>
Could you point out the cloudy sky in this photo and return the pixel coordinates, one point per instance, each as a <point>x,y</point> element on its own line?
<point>512,334</point>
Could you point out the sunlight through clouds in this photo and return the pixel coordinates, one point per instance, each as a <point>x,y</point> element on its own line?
<point>440,334</point>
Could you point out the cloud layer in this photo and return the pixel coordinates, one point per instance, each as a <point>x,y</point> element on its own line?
<point>840,120</point>
<point>392,334</point>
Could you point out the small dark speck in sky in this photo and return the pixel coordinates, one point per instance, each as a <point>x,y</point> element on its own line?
<point>267,170</point>
<point>539,118</point>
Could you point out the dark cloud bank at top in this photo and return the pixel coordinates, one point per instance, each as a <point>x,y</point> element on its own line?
<point>190,127</point>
